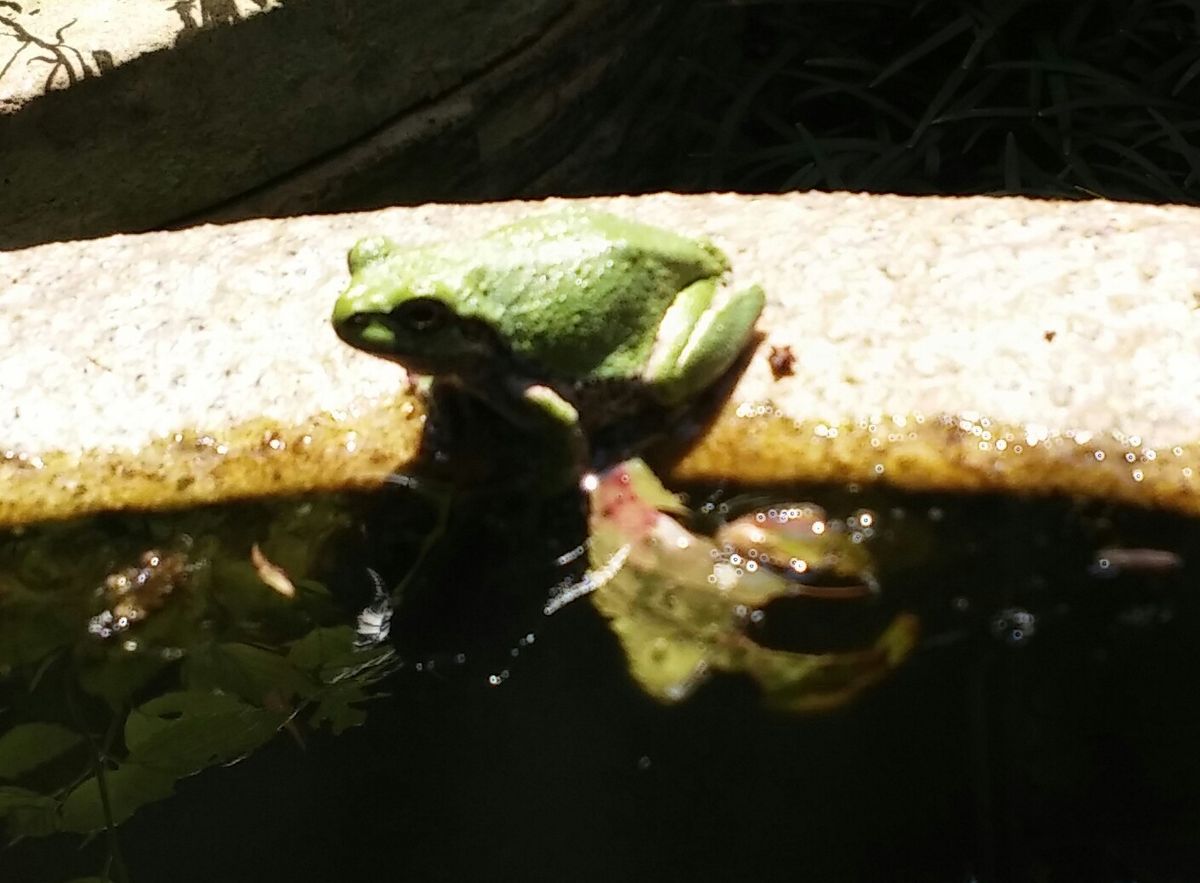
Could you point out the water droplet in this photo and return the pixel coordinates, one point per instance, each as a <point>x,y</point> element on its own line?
<point>1014,625</point>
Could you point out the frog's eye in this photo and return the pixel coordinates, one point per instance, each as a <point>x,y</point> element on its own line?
<point>422,314</point>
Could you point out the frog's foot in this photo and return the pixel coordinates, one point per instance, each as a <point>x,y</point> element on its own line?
<point>552,404</point>
<point>698,342</point>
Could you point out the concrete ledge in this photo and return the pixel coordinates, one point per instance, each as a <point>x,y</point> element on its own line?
<point>960,344</point>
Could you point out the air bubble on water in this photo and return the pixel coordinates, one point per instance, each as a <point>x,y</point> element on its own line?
<point>1014,625</point>
<point>757,616</point>
<point>643,763</point>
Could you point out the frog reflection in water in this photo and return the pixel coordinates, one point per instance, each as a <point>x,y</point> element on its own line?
<point>133,593</point>
<point>577,316</point>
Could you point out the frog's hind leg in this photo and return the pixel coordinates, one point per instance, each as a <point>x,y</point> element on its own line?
<point>697,343</point>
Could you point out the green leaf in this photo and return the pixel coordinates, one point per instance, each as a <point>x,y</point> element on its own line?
<point>130,786</point>
<point>27,813</point>
<point>323,648</point>
<point>246,671</point>
<point>117,676</point>
<point>28,746</point>
<point>182,733</point>
<point>647,486</point>
<point>336,706</point>
<point>331,655</point>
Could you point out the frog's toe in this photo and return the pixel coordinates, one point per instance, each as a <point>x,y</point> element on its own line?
<point>369,250</point>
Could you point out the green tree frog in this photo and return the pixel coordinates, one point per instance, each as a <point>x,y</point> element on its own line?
<point>551,309</point>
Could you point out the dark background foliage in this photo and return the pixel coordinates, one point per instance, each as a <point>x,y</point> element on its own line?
<point>1040,97</point>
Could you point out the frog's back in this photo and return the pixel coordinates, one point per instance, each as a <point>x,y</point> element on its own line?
<point>580,293</point>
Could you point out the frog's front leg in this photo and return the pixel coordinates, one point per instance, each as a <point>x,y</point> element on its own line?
<point>698,342</point>
<point>539,413</point>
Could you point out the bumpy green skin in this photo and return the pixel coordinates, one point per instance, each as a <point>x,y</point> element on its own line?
<point>572,297</point>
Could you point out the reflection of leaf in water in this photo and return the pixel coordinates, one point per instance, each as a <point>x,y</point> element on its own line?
<point>28,746</point>
<point>130,786</point>
<point>182,733</point>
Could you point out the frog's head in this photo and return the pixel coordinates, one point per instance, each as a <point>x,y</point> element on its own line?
<point>410,317</point>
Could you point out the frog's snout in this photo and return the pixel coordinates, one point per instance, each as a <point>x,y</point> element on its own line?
<point>368,331</point>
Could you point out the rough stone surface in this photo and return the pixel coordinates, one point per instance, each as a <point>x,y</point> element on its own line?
<point>125,115</point>
<point>971,343</point>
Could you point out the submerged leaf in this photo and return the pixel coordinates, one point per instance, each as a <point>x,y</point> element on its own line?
<point>246,671</point>
<point>28,746</point>
<point>27,813</point>
<point>185,732</point>
<point>129,787</point>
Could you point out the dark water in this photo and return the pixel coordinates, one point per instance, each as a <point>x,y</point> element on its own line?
<point>1047,727</point>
